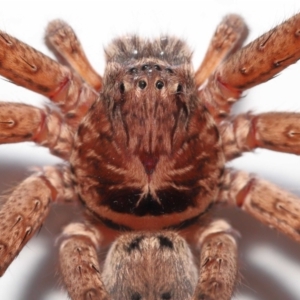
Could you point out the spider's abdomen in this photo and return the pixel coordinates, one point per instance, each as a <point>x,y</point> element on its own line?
<point>147,147</point>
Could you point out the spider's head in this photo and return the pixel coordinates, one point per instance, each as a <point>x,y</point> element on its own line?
<point>152,101</point>
<point>149,91</point>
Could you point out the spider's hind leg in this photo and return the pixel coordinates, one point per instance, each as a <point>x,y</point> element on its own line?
<point>25,210</point>
<point>263,200</point>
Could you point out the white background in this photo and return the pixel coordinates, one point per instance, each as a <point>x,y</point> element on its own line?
<point>269,262</point>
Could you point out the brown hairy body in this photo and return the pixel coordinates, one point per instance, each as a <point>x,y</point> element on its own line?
<point>146,146</point>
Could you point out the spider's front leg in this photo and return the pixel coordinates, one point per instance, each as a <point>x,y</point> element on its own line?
<point>35,71</point>
<point>65,42</point>
<point>255,63</point>
<point>228,37</point>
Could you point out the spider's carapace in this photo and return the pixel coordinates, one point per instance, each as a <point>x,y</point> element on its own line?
<point>148,154</point>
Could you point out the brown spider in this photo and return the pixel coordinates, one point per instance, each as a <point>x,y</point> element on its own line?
<point>147,154</point>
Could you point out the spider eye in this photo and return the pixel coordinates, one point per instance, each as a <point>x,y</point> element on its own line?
<point>169,70</point>
<point>159,84</point>
<point>136,296</point>
<point>145,67</point>
<point>142,84</point>
<point>157,67</point>
<point>133,70</point>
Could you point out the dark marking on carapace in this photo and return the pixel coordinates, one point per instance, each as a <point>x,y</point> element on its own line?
<point>129,201</point>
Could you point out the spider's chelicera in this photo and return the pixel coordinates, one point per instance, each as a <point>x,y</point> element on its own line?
<point>145,148</point>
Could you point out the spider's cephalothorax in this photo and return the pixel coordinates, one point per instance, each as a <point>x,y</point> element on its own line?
<point>148,147</point>
<point>145,149</point>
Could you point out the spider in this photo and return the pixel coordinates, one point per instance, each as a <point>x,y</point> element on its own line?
<point>145,148</point>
